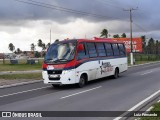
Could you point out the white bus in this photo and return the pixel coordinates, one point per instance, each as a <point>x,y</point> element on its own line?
<point>81,60</point>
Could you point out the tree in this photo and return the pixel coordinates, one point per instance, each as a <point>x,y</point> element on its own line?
<point>33,47</point>
<point>40,43</point>
<point>43,46</point>
<point>116,36</point>
<point>11,47</point>
<point>25,53</point>
<point>47,46</point>
<point>151,46</point>
<point>143,43</point>
<point>57,40</point>
<point>123,35</point>
<point>104,33</point>
<point>157,47</point>
<point>37,54</point>
<point>18,51</point>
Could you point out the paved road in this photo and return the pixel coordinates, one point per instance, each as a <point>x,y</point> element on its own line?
<point>102,95</point>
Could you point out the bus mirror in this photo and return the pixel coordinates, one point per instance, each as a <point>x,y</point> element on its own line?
<point>80,47</point>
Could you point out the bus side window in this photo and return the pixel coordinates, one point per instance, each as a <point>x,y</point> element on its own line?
<point>82,54</point>
<point>92,50</point>
<point>109,49</point>
<point>115,49</point>
<point>122,49</point>
<point>101,49</point>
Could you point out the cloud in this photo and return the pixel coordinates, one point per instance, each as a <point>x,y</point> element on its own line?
<point>25,23</point>
<point>13,12</point>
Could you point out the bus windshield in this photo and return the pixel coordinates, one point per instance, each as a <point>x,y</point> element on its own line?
<point>60,52</point>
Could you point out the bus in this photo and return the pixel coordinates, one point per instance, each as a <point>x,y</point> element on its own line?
<point>78,61</point>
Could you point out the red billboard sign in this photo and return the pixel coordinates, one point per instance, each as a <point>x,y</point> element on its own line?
<point>136,43</point>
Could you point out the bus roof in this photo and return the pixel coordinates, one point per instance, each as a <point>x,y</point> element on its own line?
<point>89,40</point>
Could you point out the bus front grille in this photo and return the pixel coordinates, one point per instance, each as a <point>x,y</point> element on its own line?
<point>54,71</point>
<point>55,79</point>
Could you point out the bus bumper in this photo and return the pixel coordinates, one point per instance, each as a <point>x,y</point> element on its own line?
<point>67,77</point>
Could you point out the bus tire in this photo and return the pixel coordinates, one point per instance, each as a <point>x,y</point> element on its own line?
<point>82,81</point>
<point>116,73</point>
<point>55,86</point>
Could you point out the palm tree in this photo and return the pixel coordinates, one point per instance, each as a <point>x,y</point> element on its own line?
<point>11,47</point>
<point>33,47</point>
<point>104,33</point>
<point>40,43</point>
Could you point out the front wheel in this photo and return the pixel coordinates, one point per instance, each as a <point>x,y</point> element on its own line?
<point>82,82</point>
<point>116,73</point>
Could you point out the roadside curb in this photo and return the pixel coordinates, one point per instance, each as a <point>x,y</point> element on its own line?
<point>19,84</point>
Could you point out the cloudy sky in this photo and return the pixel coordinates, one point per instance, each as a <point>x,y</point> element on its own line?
<point>23,22</point>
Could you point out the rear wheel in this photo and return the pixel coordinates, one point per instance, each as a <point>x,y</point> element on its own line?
<point>82,81</point>
<point>116,73</point>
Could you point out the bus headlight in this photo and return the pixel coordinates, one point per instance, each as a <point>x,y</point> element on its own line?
<point>65,71</point>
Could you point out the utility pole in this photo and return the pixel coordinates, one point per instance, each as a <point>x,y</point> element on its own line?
<point>50,36</point>
<point>131,53</point>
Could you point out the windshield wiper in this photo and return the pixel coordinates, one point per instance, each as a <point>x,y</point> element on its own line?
<point>61,60</point>
<point>55,61</point>
<point>49,60</point>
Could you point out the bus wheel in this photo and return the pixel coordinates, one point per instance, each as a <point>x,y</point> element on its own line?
<point>55,86</point>
<point>82,82</point>
<point>116,73</point>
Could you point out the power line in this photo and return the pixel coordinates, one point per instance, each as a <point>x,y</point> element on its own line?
<point>59,8</point>
<point>118,7</point>
<point>110,4</point>
<point>49,6</point>
<point>140,27</point>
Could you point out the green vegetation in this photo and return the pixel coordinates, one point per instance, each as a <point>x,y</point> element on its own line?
<point>144,58</point>
<point>20,67</point>
<point>156,108</point>
<point>21,61</point>
<point>31,76</point>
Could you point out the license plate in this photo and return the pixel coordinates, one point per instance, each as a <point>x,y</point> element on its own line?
<point>53,76</point>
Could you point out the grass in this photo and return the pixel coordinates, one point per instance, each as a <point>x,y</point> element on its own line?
<point>20,67</point>
<point>154,110</point>
<point>31,76</point>
<point>143,62</point>
<point>156,107</point>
